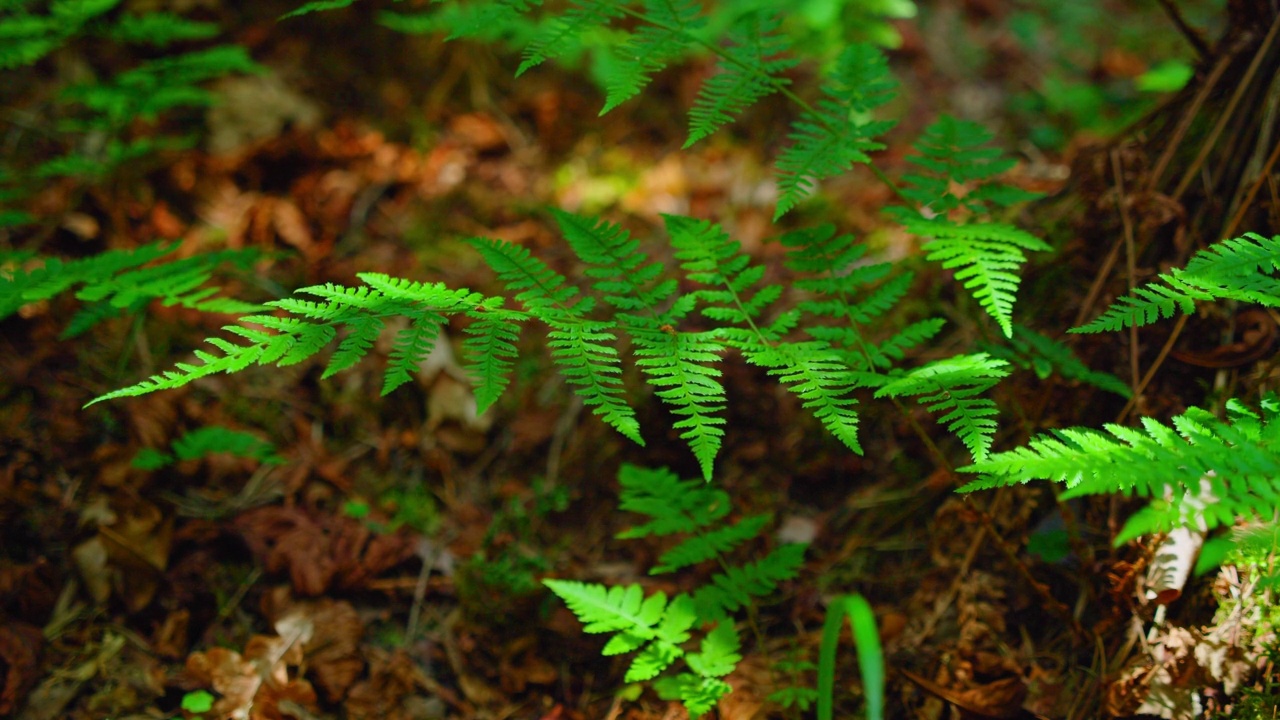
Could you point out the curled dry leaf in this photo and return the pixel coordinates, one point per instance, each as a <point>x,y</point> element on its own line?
<point>20,646</point>
<point>253,685</point>
<point>332,652</point>
<point>330,552</point>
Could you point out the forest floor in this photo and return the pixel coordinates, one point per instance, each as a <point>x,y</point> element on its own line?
<point>385,561</point>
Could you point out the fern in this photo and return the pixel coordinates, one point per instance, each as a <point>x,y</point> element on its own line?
<point>680,365</point>
<point>750,70</point>
<point>1200,471</point>
<point>580,347</point>
<point>116,281</point>
<point>660,630</point>
<point>1236,269</point>
<point>671,24</point>
<point>1029,349</point>
<point>582,17</point>
<point>985,255</point>
<point>838,133</point>
<point>811,370</point>
<point>207,441</point>
<point>306,326</point>
<point>953,386</point>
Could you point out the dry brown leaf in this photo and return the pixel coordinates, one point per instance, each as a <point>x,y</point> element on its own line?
<point>320,553</point>
<point>20,646</point>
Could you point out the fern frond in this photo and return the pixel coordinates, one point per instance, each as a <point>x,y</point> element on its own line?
<point>234,358</point>
<point>115,281</point>
<point>582,17</point>
<point>821,379</point>
<point>159,29</point>
<point>986,258</point>
<point>953,151</point>
<point>639,621</point>
<point>1235,269</point>
<point>539,288</point>
<point>711,258</point>
<point>751,69</point>
<point>718,654</point>
<point>699,695</point>
<point>411,346</point>
<point>580,348</point>
<point>217,439</point>
<point>676,506</point>
<point>581,351</point>
<point>490,351</point>
<point>364,332</point>
<point>677,364</point>
<point>838,133</point>
<point>1045,355</point>
<point>710,545</point>
<point>680,365</point>
<point>886,352</point>
<point>619,268</point>
<point>482,20</point>
<point>952,385</point>
<point>668,31</point>
<point>318,6</point>
<point>735,587</point>
<point>1200,472</point>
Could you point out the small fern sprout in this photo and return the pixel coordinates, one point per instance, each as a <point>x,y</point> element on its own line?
<point>661,629</point>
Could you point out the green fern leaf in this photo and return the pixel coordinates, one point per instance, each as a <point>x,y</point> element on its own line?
<point>885,353</point>
<point>616,263</point>
<point>718,654</point>
<point>582,17</point>
<point>952,385</point>
<point>318,6</point>
<point>751,70</point>
<point>411,347</point>
<point>699,695</point>
<point>820,378</point>
<point>837,134</point>
<point>234,359</point>
<point>1232,269</point>
<point>1044,355</point>
<point>217,439</point>
<point>709,257</point>
<point>986,258</point>
<point>680,366</point>
<point>580,351</point>
<point>1200,472</point>
<point>710,545</point>
<point>159,29</point>
<point>580,348</point>
<point>676,506</point>
<point>490,351</point>
<point>735,587</point>
<point>357,343</point>
<point>670,28</point>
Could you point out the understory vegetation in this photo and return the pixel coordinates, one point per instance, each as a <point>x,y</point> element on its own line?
<point>993,381</point>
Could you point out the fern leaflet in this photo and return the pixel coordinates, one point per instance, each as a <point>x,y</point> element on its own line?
<point>750,70</point>
<point>1200,472</point>
<point>581,348</point>
<point>1234,269</point>
<point>679,365</point>
<point>952,385</point>
<point>838,133</point>
<point>986,255</point>
<point>664,38</point>
<point>582,17</point>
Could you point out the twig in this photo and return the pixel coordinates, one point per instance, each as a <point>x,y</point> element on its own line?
<point>1192,35</point>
